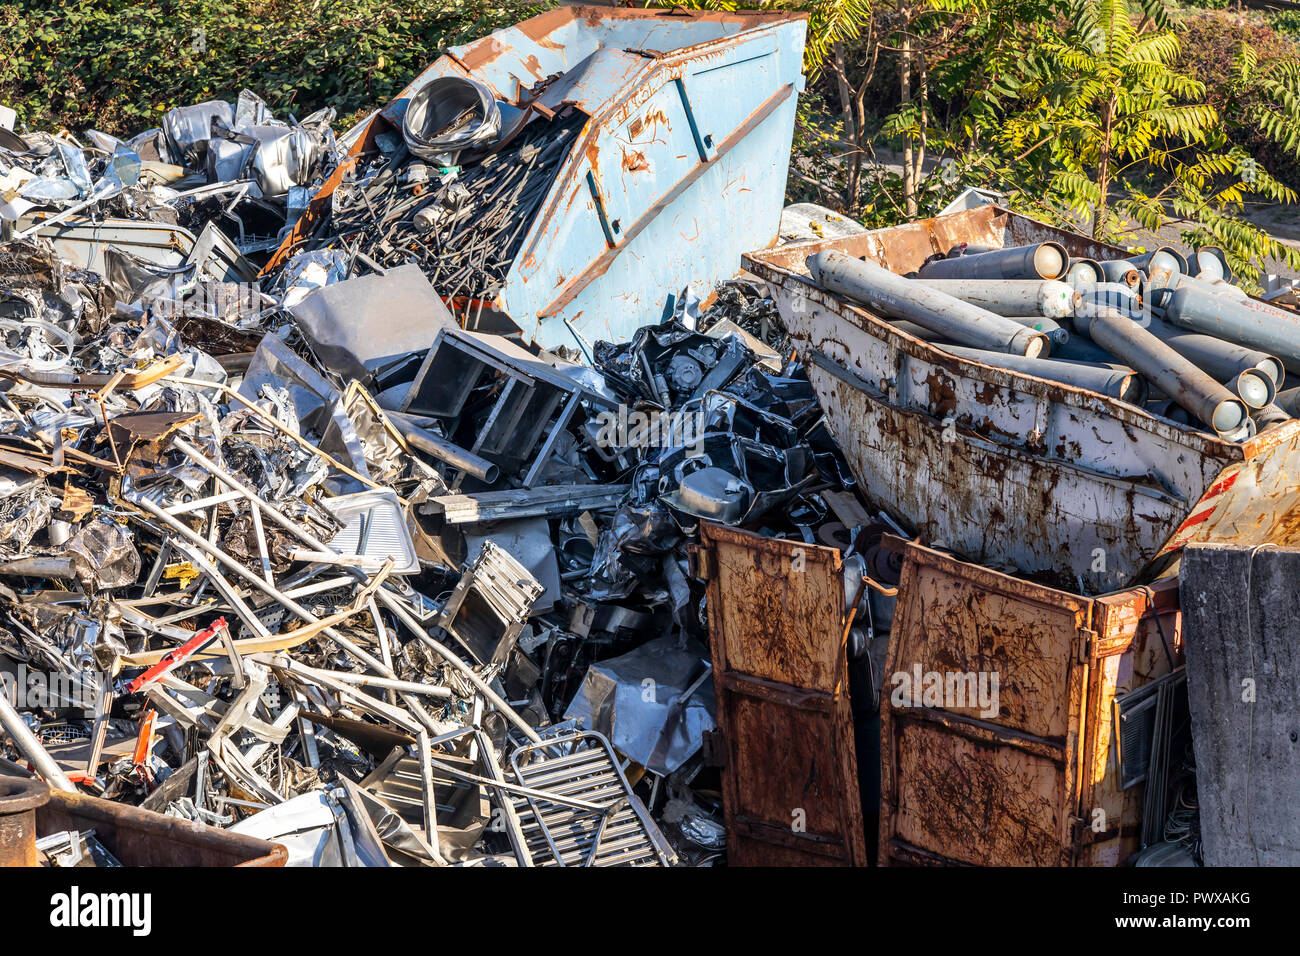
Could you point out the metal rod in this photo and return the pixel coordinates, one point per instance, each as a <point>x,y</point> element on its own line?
<point>1222,359</point>
<point>271,591</point>
<point>1189,386</point>
<point>1124,385</point>
<point>459,458</point>
<point>1247,322</point>
<point>1117,270</point>
<point>31,747</point>
<point>388,600</point>
<point>1011,297</point>
<point>1162,257</point>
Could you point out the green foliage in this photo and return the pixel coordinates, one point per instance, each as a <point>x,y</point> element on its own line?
<point>814,174</point>
<point>1092,120</point>
<point>117,65</point>
<point>1097,102</point>
<point>1286,22</point>
<point>1252,77</point>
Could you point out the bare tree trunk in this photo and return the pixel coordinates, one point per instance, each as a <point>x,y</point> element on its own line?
<point>1103,170</point>
<point>852,129</point>
<point>923,117</point>
<point>905,95</point>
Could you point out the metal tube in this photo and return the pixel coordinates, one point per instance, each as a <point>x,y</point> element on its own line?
<point>386,683</point>
<point>1192,388</point>
<point>1113,295</point>
<point>1167,408</point>
<point>1079,348</point>
<point>1117,270</point>
<point>1084,270</point>
<point>1270,416</point>
<point>1223,360</point>
<point>26,741</point>
<point>1056,333</point>
<point>1162,257</point>
<point>1247,322</point>
<point>1210,263</point>
<point>40,566</point>
<point>900,298</point>
<point>1117,291</point>
<point>1162,284</point>
<point>1011,297</point>
<point>459,458</point>
<point>1253,387</point>
<point>1289,401</point>
<point>20,798</point>
<point>1125,386</point>
<point>911,328</point>
<point>1046,260</point>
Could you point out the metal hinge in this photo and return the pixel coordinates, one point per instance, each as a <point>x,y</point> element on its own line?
<point>713,749</point>
<point>701,561</point>
<point>1086,645</point>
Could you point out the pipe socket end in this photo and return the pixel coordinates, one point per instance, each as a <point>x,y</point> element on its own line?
<point>1255,388</point>
<point>1051,261</point>
<point>1228,416</point>
<point>1030,344</point>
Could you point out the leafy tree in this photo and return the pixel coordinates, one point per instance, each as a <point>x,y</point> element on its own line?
<point>1092,120</point>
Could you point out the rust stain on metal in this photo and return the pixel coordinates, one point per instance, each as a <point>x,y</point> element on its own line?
<point>648,122</point>
<point>1004,467</point>
<point>779,643</point>
<point>960,785</point>
<point>634,161</point>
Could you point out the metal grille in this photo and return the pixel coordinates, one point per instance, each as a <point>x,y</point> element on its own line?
<point>582,767</point>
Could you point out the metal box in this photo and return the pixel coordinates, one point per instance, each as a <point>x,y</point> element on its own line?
<point>680,167</point>
<point>1044,477</point>
<point>1039,783</point>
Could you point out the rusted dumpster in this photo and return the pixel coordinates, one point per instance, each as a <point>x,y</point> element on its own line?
<point>1039,782</point>
<point>139,837</point>
<point>1009,469</point>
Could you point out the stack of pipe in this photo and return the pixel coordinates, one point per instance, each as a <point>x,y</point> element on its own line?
<point>1158,329</point>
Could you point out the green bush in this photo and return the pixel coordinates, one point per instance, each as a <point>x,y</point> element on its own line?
<point>117,66</point>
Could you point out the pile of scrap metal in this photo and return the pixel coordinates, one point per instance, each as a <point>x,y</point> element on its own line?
<point>156,197</point>
<point>1158,330</point>
<point>293,544</point>
<point>312,563</point>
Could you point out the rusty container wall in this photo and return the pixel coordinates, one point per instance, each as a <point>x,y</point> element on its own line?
<point>778,630</point>
<point>1035,784</point>
<point>139,837</point>
<point>1006,468</point>
<point>680,168</point>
